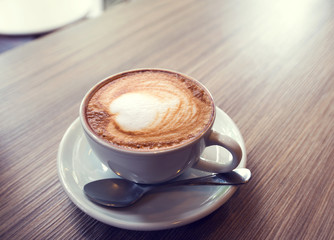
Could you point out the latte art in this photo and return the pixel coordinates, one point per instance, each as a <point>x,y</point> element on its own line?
<point>142,111</point>
<point>147,110</point>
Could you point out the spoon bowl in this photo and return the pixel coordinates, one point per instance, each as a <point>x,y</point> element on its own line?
<point>118,192</point>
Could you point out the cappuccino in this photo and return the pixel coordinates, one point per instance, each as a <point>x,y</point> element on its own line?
<point>145,110</point>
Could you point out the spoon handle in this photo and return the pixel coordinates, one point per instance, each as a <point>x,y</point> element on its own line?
<point>235,177</point>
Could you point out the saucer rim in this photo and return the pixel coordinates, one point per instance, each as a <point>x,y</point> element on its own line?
<point>136,225</point>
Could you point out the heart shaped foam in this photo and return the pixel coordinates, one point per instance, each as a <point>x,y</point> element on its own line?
<point>137,111</point>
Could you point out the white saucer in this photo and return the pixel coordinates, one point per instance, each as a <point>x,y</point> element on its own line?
<point>174,207</point>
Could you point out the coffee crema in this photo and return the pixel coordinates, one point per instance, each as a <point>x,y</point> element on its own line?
<point>147,110</point>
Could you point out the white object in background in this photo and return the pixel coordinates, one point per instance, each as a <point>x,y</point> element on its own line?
<point>96,9</point>
<point>24,17</point>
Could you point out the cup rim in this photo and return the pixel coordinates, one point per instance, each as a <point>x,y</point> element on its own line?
<point>89,131</point>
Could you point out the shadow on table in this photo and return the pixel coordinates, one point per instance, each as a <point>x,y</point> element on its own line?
<point>10,42</point>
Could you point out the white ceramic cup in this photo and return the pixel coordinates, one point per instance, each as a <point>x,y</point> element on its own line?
<point>158,166</point>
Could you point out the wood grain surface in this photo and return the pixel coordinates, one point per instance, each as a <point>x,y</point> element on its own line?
<point>269,66</point>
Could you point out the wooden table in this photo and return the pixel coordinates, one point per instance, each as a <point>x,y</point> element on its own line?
<point>269,66</point>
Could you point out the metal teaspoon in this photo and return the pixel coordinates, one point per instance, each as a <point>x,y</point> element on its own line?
<point>118,192</point>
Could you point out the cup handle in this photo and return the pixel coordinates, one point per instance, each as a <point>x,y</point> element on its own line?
<point>226,142</point>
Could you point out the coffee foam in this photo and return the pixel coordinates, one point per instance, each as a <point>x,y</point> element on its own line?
<point>141,110</point>
<point>149,110</point>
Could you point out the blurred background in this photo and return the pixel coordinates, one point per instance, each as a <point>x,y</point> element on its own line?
<point>22,21</point>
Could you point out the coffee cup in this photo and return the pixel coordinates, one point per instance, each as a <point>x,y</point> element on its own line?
<point>151,125</point>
